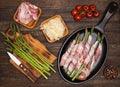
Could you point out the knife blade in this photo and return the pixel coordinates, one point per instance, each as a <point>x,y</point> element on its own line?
<point>28,72</point>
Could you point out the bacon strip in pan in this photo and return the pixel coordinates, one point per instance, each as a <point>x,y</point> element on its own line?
<point>68,52</point>
<point>73,51</point>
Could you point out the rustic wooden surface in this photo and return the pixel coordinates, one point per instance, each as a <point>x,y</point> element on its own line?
<point>11,77</point>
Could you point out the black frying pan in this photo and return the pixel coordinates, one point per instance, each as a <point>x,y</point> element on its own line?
<point>112,7</point>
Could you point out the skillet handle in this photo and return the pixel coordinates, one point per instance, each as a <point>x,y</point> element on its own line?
<point>111,9</point>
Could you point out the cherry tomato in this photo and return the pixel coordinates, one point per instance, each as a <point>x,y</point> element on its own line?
<point>78,17</point>
<point>92,7</point>
<point>85,7</point>
<point>89,14</point>
<point>74,12</point>
<point>96,14</point>
<point>78,7</point>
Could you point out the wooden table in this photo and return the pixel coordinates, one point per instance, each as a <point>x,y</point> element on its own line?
<point>11,77</point>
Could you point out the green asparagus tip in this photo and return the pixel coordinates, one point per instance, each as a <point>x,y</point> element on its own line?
<point>76,38</point>
<point>86,30</point>
<point>17,28</point>
<point>98,36</point>
<point>11,23</point>
<point>68,72</point>
<point>3,34</point>
<point>102,39</point>
<point>53,70</point>
<point>76,75</point>
<point>92,30</point>
<point>72,74</point>
<point>85,36</point>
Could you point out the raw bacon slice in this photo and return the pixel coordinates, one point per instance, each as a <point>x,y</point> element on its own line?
<point>67,53</point>
<point>95,57</point>
<point>73,63</point>
<point>23,14</point>
<point>98,52</point>
<point>78,56</point>
<point>64,57</point>
<point>70,68</point>
<point>87,47</point>
<point>80,48</point>
<point>88,44</point>
<point>33,10</point>
<point>69,59</point>
<point>91,53</point>
<point>83,74</point>
<point>27,12</point>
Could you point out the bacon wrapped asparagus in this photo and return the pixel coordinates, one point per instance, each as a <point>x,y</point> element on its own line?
<point>83,53</point>
<point>77,55</point>
<point>88,58</point>
<point>86,71</point>
<point>71,56</point>
<point>68,52</point>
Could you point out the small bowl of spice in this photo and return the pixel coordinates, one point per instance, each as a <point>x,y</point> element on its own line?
<point>110,72</point>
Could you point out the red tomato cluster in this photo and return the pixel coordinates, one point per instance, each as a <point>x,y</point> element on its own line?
<point>82,11</point>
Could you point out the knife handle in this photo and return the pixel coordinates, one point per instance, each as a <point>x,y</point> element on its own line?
<point>28,72</point>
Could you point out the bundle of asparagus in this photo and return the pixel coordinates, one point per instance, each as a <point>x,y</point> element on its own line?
<point>22,49</point>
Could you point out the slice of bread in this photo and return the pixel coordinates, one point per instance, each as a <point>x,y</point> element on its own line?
<point>32,23</point>
<point>49,33</point>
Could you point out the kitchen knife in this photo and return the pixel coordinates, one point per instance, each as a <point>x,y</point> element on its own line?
<point>28,72</point>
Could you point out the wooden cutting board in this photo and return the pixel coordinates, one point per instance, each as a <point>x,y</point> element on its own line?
<point>40,49</point>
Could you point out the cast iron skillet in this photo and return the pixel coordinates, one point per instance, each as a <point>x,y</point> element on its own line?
<point>112,7</point>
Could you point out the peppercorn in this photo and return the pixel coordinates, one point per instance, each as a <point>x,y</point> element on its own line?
<point>110,72</point>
